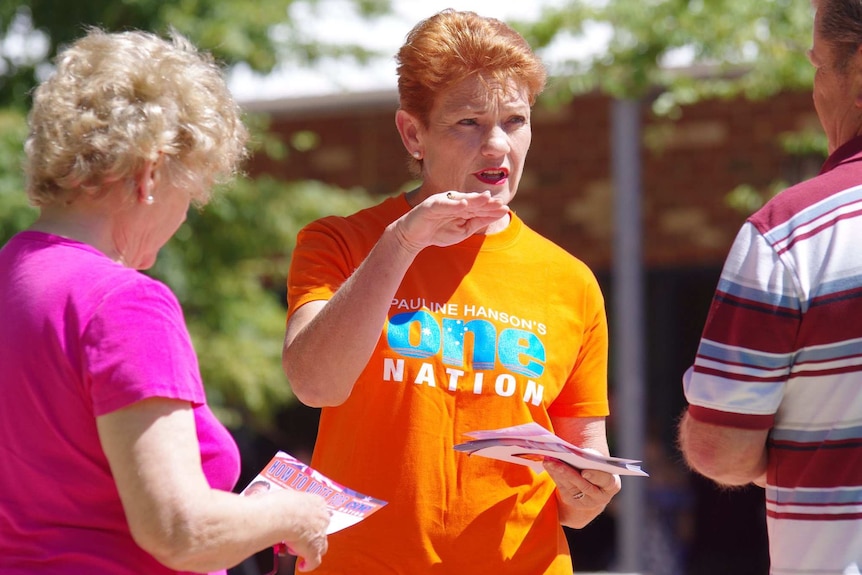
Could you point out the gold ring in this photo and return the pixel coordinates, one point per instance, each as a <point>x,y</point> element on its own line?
<point>450,196</point>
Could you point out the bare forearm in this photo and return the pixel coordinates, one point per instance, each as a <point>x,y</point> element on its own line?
<point>728,456</point>
<point>223,529</point>
<point>323,358</point>
<point>172,511</point>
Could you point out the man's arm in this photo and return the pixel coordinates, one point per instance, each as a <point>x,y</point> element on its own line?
<point>727,455</point>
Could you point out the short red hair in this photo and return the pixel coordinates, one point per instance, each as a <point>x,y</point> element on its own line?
<point>450,46</point>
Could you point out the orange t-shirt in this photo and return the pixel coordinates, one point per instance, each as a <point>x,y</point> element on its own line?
<point>495,331</point>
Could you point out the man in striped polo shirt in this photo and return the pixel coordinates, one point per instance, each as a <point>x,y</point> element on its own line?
<point>775,392</point>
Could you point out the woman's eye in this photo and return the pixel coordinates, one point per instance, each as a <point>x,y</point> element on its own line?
<point>468,122</point>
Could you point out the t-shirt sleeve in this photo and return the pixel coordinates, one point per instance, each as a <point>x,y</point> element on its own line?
<point>136,346</point>
<point>746,351</point>
<point>318,266</point>
<point>586,391</point>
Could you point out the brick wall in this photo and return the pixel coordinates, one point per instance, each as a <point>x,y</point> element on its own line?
<point>689,166</point>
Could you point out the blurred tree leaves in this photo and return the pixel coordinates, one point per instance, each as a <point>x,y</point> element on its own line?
<point>228,265</point>
<point>259,34</point>
<point>805,145</point>
<point>729,47</point>
<point>15,212</point>
<point>672,53</point>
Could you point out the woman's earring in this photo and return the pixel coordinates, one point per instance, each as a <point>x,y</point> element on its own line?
<point>149,200</point>
<point>417,154</point>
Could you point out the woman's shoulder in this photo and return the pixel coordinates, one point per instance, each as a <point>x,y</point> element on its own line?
<point>553,254</point>
<point>372,218</point>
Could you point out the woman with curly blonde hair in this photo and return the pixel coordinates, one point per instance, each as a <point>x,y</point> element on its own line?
<point>123,468</point>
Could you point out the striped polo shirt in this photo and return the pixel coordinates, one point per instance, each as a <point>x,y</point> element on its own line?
<point>782,349</point>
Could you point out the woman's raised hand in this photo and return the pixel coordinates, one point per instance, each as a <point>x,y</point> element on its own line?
<point>447,218</point>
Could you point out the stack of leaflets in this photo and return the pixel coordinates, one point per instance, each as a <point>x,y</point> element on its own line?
<point>286,472</point>
<point>530,444</point>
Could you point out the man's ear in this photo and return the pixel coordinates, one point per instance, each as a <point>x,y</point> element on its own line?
<point>411,133</point>
<point>855,68</point>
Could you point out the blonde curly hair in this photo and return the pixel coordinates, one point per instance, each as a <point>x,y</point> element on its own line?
<point>119,100</point>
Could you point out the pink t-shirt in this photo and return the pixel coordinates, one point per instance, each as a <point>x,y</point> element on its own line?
<point>82,336</point>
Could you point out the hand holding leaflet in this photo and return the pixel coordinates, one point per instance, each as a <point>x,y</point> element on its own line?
<point>284,471</point>
<point>348,506</point>
<point>530,443</point>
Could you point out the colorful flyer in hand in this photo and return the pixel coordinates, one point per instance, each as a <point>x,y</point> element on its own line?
<point>530,443</point>
<point>286,472</point>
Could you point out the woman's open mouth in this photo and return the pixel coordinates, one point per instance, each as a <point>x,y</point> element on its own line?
<point>493,177</point>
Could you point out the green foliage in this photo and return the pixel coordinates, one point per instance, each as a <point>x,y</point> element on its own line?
<point>228,265</point>
<point>812,144</point>
<point>729,48</point>
<point>15,211</point>
<point>259,34</point>
<point>806,142</point>
<point>750,48</point>
<point>747,199</point>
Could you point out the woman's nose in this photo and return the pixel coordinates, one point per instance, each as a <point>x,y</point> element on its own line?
<point>496,142</point>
